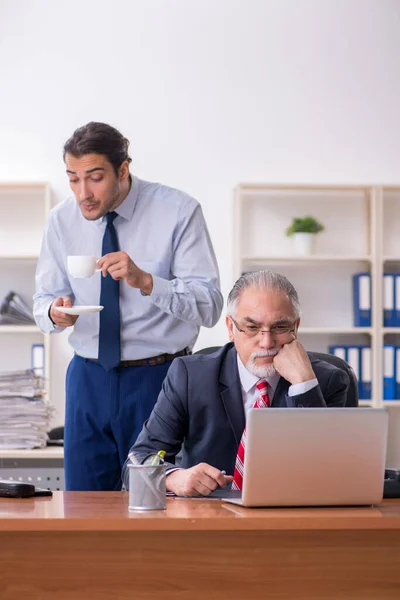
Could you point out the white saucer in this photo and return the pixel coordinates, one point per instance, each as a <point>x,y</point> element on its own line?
<point>78,309</point>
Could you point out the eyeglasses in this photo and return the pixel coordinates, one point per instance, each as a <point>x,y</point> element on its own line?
<point>252,331</point>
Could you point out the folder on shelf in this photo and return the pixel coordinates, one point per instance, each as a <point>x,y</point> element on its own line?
<point>389,372</point>
<point>339,351</point>
<point>397,374</point>
<point>396,319</point>
<point>37,359</point>
<point>365,382</point>
<point>15,311</point>
<point>353,358</point>
<point>389,300</point>
<point>362,299</point>
<point>359,358</point>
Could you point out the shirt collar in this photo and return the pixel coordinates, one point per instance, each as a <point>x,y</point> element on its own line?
<point>248,380</point>
<point>127,207</point>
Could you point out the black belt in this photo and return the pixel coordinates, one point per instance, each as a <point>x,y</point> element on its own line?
<point>148,362</point>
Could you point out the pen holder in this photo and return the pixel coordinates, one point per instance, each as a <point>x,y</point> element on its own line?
<point>147,489</point>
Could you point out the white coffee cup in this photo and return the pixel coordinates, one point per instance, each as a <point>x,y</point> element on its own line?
<point>82,266</point>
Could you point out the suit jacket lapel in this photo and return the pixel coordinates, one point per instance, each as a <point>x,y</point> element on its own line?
<point>281,391</point>
<point>231,393</point>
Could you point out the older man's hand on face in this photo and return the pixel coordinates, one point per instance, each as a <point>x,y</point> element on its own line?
<point>292,362</point>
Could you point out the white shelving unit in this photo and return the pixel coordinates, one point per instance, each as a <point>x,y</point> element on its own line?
<point>361,234</point>
<point>24,208</point>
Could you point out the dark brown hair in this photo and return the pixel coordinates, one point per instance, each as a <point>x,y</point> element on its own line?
<point>98,138</point>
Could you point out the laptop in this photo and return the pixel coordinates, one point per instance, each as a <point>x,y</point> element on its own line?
<point>313,457</point>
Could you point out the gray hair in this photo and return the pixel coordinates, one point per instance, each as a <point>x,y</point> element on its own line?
<point>263,280</point>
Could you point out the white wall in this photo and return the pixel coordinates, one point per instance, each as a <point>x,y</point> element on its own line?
<point>210,93</point>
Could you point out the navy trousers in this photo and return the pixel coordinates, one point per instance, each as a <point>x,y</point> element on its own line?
<point>104,415</point>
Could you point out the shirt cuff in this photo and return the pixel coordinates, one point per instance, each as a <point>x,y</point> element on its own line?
<point>303,387</point>
<point>45,322</point>
<point>172,469</point>
<point>161,288</point>
<point>50,325</point>
<point>49,315</point>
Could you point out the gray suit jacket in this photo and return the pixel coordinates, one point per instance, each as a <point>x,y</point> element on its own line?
<point>200,408</point>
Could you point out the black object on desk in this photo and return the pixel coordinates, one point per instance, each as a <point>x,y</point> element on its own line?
<point>391,487</point>
<point>56,436</point>
<point>20,489</point>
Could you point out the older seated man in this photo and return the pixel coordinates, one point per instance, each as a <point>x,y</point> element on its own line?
<point>205,398</point>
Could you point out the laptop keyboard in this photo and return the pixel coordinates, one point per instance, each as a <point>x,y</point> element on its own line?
<point>224,493</point>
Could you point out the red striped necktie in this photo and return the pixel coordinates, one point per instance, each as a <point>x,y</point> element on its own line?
<point>261,402</point>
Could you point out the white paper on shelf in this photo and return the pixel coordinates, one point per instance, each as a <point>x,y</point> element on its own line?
<point>353,358</point>
<point>366,365</point>
<point>397,293</point>
<point>388,291</point>
<point>364,292</point>
<point>340,352</point>
<point>38,359</point>
<point>388,361</point>
<point>25,412</point>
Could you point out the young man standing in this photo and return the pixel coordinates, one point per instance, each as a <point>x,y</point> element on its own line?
<point>159,283</point>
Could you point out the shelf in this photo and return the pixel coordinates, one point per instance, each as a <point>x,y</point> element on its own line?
<point>17,186</point>
<point>15,258</point>
<point>334,330</point>
<point>26,205</point>
<point>391,188</point>
<point>360,235</point>
<point>19,329</point>
<point>50,452</point>
<point>271,187</point>
<point>311,258</point>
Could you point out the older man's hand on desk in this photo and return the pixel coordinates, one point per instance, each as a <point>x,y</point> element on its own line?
<point>200,480</point>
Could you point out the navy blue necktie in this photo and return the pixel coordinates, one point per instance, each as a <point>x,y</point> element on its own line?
<point>109,334</point>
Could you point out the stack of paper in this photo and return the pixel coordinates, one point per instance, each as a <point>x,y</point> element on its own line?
<point>25,412</point>
<point>15,311</point>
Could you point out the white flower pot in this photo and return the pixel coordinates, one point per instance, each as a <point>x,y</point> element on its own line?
<point>304,244</point>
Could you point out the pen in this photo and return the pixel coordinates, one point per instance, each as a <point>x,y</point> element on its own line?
<point>158,459</point>
<point>223,473</point>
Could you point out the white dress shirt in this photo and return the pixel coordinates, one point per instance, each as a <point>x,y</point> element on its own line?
<point>250,391</point>
<point>164,233</point>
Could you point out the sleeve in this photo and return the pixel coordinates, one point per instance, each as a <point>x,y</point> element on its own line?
<point>193,295</point>
<point>331,393</point>
<point>51,278</point>
<point>167,425</point>
<point>301,388</point>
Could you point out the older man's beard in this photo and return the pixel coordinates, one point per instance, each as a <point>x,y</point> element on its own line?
<point>261,371</point>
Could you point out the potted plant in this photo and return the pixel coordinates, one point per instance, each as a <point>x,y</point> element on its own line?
<point>303,231</point>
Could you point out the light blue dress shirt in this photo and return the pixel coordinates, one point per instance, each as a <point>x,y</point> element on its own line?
<point>164,233</point>
<point>250,392</point>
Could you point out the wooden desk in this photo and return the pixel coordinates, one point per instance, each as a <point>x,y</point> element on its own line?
<point>85,546</point>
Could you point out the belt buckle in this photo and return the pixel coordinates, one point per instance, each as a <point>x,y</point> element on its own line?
<point>152,361</point>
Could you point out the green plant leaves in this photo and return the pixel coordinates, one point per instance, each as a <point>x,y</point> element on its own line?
<point>304,225</point>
